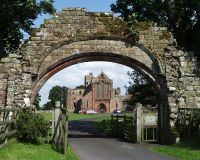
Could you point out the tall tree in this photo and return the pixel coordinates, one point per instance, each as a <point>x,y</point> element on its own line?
<point>58,93</point>
<point>182,17</point>
<point>16,17</point>
<point>141,90</point>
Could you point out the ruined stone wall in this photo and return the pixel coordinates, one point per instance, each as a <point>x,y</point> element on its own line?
<point>3,84</point>
<point>75,35</point>
<point>16,83</point>
<point>74,96</point>
<point>180,68</point>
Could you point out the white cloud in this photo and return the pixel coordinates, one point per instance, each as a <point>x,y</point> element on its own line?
<point>74,75</point>
<point>53,81</point>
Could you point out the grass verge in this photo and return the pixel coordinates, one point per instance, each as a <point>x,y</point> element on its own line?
<point>186,150</point>
<point>22,151</point>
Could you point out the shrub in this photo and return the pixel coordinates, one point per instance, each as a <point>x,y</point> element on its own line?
<point>188,123</point>
<point>31,126</point>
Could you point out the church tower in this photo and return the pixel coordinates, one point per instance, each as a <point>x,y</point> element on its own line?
<point>88,79</point>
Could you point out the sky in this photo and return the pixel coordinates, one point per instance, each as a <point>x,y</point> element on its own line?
<point>90,5</point>
<point>73,76</point>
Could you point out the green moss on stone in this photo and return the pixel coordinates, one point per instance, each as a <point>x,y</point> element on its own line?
<point>165,35</point>
<point>115,26</point>
<point>142,26</point>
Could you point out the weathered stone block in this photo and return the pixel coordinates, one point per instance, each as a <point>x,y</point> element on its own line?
<point>198,93</point>
<point>189,88</point>
<point>5,60</point>
<point>197,99</point>
<point>172,88</point>
<point>190,93</point>
<point>172,105</point>
<point>173,116</point>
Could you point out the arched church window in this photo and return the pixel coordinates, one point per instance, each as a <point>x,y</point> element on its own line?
<point>87,105</point>
<point>107,90</point>
<point>102,89</point>
<point>97,90</point>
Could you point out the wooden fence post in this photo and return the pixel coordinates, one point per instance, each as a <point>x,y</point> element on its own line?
<point>124,126</point>
<point>139,122</point>
<point>117,124</point>
<point>60,136</point>
<point>65,129</point>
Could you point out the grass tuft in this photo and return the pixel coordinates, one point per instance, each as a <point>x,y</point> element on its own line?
<point>185,150</point>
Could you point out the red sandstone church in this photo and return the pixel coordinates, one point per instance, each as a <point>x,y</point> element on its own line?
<point>97,94</point>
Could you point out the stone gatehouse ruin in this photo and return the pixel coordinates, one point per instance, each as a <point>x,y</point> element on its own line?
<point>75,35</point>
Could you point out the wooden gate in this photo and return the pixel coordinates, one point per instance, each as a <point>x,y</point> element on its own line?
<point>7,125</point>
<point>123,126</point>
<point>146,124</point>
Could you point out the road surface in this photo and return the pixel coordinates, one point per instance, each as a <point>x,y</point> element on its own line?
<point>90,144</point>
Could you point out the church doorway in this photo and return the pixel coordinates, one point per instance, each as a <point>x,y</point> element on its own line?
<point>102,108</point>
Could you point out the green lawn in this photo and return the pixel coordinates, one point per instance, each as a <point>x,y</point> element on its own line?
<point>47,115</point>
<point>21,151</point>
<point>74,116</point>
<point>187,150</point>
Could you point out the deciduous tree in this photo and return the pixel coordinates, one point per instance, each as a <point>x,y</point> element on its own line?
<point>58,93</point>
<point>141,90</point>
<point>16,17</point>
<point>182,17</point>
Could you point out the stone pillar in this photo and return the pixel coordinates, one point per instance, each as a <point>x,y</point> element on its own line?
<point>138,122</point>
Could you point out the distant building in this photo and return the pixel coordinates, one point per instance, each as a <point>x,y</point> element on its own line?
<point>97,94</point>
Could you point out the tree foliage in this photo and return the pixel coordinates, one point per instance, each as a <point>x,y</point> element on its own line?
<point>48,106</point>
<point>58,93</point>
<point>141,90</point>
<point>188,123</point>
<point>182,17</point>
<point>17,16</point>
<point>31,126</point>
<point>80,87</point>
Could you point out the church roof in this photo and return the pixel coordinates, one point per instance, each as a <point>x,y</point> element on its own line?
<point>102,75</point>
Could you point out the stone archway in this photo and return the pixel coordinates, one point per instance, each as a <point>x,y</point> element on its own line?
<point>75,35</point>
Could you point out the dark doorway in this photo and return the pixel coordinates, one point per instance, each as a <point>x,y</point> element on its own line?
<point>102,108</point>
